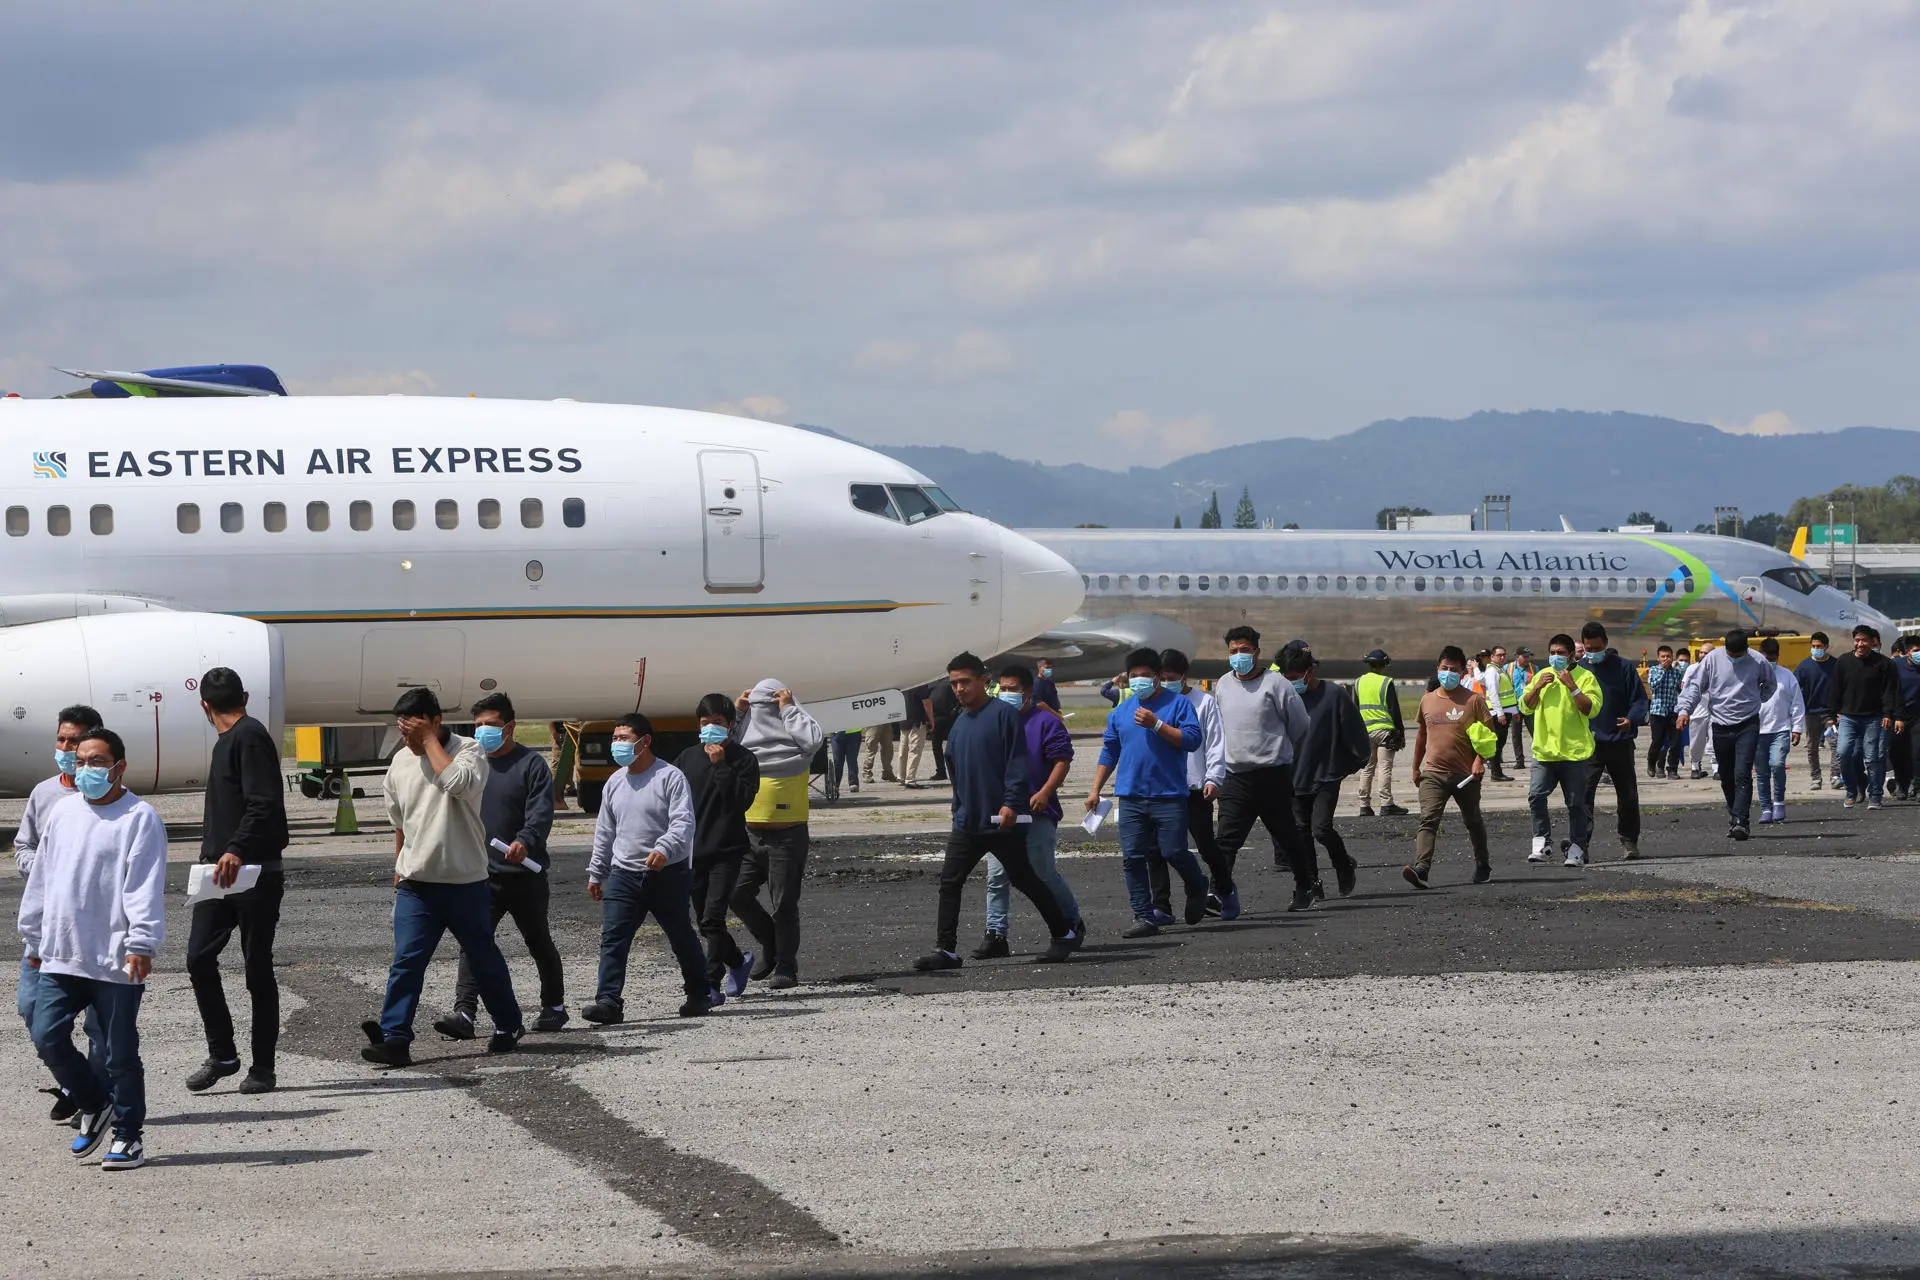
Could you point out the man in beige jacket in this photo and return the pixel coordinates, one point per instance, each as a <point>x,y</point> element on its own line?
<point>434,788</point>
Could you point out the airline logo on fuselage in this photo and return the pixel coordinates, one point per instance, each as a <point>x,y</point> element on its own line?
<point>1509,562</point>
<point>400,460</point>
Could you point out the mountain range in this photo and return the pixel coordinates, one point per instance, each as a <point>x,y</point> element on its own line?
<point>1593,468</point>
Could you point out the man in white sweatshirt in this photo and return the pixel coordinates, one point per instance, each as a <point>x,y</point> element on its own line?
<point>642,862</point>
<point>435,786</point>
<point>93,920</point>
<point>784,739</point>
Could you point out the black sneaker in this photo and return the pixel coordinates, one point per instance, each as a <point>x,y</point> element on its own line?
<point>937,959</point>
<point>505,1041</point>
<point>370,1028</point>
<point>455,1026</point>
<point>94,1127</point>
<point>1415,876</point>
<point>210,1073</point>
<point>1392,811</point>
<point>698,1007</point>
<point>1213,906</point>
<point>1302,900</point>
<point>1319,892</point>
<point>603,1014</point>
<point>389,1053</point>
<point>258,1082</point>
<point>1057,952</point>
<point>551,1019</point>
<point>1196,910</point>
<point>764,969</point>
<point>1739,832</point>
<point>1346,875</point>
<point>64,1107</point>
<point>1366,811</point>
<point>993,948</point>
<point>783,982</point>
<point>1142,929</point>
<point>1482,873</point>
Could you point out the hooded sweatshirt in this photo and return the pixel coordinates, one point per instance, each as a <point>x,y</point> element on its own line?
<point>784,741</point>
<point>1336,744</point>
<point>95,894</point>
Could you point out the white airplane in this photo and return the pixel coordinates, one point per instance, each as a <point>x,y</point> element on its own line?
<point>583,558</point>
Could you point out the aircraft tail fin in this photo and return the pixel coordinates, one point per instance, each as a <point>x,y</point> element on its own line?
<point>1566,526</point>
<point>188,380</point>
<point>1799,549</point>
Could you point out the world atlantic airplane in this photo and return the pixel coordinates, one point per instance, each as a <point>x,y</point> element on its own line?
<point>584,558</point>
<point>1410,593</point>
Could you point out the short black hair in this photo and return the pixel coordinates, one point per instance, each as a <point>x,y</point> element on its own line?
<point>1864,630</point>
<point>1684,653</point>
<point>1593,631</point>
<point>715,704</point>
<point>1483,656</point>
<point>634,720</point>
<point>417,702</point>
<point>1144,658</point>
<point>220,688</point>
<point>499,702</point>
<point>79,713</point>
<point>1665,648</point>
<point>967,662</point>
<point>108,736</point>
<point>1019,672</point>
<point>1244,632</point>
<point>1561,638</point>
<point>1821,636</point>
<point>1770,647</point>
<point>1736,641</point>
<point>1296,656</point>
<point>1453,653</point>
<point>1175,661</point>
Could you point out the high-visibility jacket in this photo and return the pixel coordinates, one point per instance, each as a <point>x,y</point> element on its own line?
<point>1509,697</point>
<point>1374,692</point>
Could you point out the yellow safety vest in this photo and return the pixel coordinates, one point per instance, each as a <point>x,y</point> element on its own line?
<point>1505,686</point>
<point>1373,692</point>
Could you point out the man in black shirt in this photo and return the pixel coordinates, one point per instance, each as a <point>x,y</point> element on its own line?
<point>244,823</point>
<point>723,778</point>
<point>517,810</point>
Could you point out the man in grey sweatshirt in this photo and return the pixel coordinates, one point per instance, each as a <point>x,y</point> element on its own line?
<point>93,920</point>
<point>642,862</point>
<point>784,740</point>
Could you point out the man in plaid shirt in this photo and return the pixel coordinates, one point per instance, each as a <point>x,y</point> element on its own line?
<point>1663,705</point>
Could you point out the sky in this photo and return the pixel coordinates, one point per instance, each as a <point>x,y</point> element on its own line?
<point>1109,232</point>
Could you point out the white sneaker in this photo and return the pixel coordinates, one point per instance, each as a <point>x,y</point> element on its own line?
<point>1539,853</point>
<point>1576,856</point>
<point>124,1153</point>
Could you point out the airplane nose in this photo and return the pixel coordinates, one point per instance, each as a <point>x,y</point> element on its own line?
<point>1038,589</point>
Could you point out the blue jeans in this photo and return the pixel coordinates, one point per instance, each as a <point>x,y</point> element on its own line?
<point>1771,759</point>
<point>846,758</point>
<point>1735,746</point>
<point>625,899</point>
<point>1043,841</point>
<point>28,997</point>
<point>58,1002</point>
<point>1571,776</point>
<point>1156,826</point>
<point>422,914</point>
<point>1860,757</point>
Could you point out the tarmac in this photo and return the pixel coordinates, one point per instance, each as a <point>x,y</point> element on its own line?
<point>1699,1063</point>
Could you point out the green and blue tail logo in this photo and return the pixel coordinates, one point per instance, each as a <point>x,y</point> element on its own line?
<point>1690,580</point>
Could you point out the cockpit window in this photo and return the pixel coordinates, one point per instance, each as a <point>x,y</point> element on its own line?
<point>1796,578</point>
<point>873,499</point>
<point>914,505</point>
<point>940,498</point>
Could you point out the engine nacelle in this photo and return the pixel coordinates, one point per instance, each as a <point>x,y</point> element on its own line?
<point>141,671</point>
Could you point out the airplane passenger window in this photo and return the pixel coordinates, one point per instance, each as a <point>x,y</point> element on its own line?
<point>531,514</point>
<point>446,514</point>
<point>1536,586</point>
<point>273,517</point>
<point>1459,584</point>
<point>1479,584</point>
<point>1400,582</point>
<point>1593,586</point>
<point>402,514</point>
<point>940,498</point>
<point>1142,582</point>
<point>1184,582</point>
<point>1241,582</point>
<point>1203,582</point>
<point>1553,584</point>
<point>186,517</point>
<point>1419,583</point>
<point>1498,585</point>
<point>233,517</point>
<point>1380,583</point>
<point>1165,582</point>
<point>1263,582</point>
<point>914,505</point>
<point>1320,583</point>
<point>319,519</point>
<point>1341,582</point>
<point>1613,585</point>
<point>573,512</point>
<point>59,521</point>
<point>100,520</point>
<point>360,516</point>
<point>1300,583</point>
<point>17,522</point>
<point>535,571</point>
<point>1104,582</point>
<point>872,499</point>
<point>1573,585</point>
<point>489,513</point>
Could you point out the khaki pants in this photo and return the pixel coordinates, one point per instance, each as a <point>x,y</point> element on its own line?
<point>1379,768</point>
<point>876,744</point>
<point>1435,790</point>
<point>912,744</point>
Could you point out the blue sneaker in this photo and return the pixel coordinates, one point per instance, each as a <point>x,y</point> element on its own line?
<point>94,1127</point>
<point>1158,917</point>
<point>124,1153</point>
<point>1230,905</point>
<point>737,974</point>
<point>714,998</point>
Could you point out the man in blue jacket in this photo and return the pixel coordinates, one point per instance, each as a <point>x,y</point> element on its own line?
<point>1815,678</point>
<point>1623,709</point>
<point>1144,751</point>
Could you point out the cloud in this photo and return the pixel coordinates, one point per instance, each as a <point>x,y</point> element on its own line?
<point>766,408</point>
<point>966,356</point>
<point>1142,440</point>
<point>410,382</point>
<point>1771,423</point>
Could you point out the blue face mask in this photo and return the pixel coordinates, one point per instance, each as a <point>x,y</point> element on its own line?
<point>1595,659</point>
<point>1172,686</point>
<point>1818,652</point>
<point>490,737</point>
<point>67,760</point>
<point>1143,686</point>
<point>1012,699</point>
<point>1559,661</point>
<point>624,752</point>
<point>1449,680</point>
<point>1242,663</point>
<point>1300,685</point>
<point>92,781</point>
<point>712,735</point>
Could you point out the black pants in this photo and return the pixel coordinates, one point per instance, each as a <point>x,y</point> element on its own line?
<point>256,914</point>
<point>1200,828</point>
<point>1734,746</point>
<point>1513,731</point>
<point>1620,761</point>
<point>1313,814</point>
<point>964,853</point>
<point>776,858</point>
<point>714,881</point>
<point>939,755</point>
<point>1265,796</point>
<point>524,896</point>
<point>1900,751</point>
<point>1665,745</point>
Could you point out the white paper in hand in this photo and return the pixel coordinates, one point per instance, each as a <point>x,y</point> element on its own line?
<point>1091,823</point>
<point>201,888</point>
<point>506,848</point>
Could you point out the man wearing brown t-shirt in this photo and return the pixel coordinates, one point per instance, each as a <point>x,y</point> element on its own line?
<point>1446,765</point>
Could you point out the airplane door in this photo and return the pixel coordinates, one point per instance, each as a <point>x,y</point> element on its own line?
<point>730,532</point>
<point>394,659</point>
<point>1755,596</point>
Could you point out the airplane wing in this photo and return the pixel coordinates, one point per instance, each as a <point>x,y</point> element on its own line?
<point>148,384</point>
<point>24,610</point>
